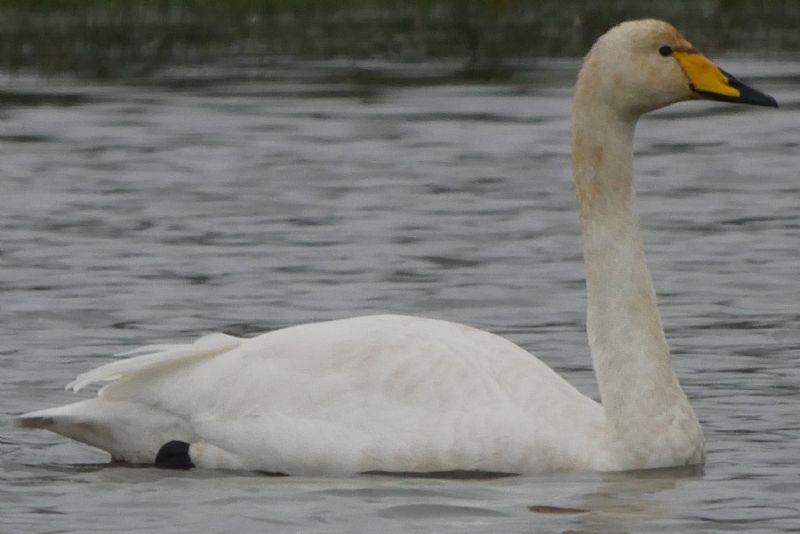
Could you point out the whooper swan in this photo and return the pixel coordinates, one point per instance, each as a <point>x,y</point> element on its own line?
<point>405,394</point>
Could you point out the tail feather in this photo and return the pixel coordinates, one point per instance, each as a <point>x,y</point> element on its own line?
<point>153,356</point>
<point>32,420</point>
<point>50,418</point>
<point>129,431</point>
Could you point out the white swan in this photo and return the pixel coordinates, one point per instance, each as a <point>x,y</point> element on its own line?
<point>395,393</point>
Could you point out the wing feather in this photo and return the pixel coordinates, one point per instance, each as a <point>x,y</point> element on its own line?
<point>155,356</point>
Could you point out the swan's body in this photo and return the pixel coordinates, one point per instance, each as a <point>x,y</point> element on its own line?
<point>396,393</point>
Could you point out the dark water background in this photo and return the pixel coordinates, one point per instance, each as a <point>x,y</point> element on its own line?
<point>243,197</point>
<point>127,39</point>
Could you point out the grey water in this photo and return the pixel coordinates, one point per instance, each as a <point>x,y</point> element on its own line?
<point>243,198</point>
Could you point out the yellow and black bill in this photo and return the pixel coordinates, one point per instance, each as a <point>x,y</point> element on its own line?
<point>713,83</point>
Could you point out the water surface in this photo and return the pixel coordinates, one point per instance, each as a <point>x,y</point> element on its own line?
<point>242,199</point>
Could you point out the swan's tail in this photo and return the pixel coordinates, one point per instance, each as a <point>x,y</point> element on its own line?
<point>131,431</point>
<point>49,418</point>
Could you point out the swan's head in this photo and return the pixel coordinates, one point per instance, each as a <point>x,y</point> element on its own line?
<point>642,65</point>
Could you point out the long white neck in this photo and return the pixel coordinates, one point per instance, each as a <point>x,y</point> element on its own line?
<point>639,390</point>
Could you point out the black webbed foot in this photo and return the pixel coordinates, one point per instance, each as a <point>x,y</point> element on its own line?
<point>174,455</point>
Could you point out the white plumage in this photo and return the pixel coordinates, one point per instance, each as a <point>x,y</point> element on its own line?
<point>397,393</point>
<point>390,393</point>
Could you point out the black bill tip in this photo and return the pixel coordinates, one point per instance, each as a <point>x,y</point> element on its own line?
<point>747,95</point>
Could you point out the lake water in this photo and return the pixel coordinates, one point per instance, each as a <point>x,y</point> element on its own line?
<point>245,198</point>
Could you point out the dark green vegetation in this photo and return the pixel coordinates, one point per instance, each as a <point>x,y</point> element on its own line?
<point>117,38</point>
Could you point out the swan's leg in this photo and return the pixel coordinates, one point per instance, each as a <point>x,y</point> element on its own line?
<point>177,454</point>
<point>174,455</point>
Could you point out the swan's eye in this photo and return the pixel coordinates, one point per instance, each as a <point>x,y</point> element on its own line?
<point>665,50</point>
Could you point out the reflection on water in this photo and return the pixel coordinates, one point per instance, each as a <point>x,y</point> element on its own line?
<point>626,502</point>
<point>246,200</point>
